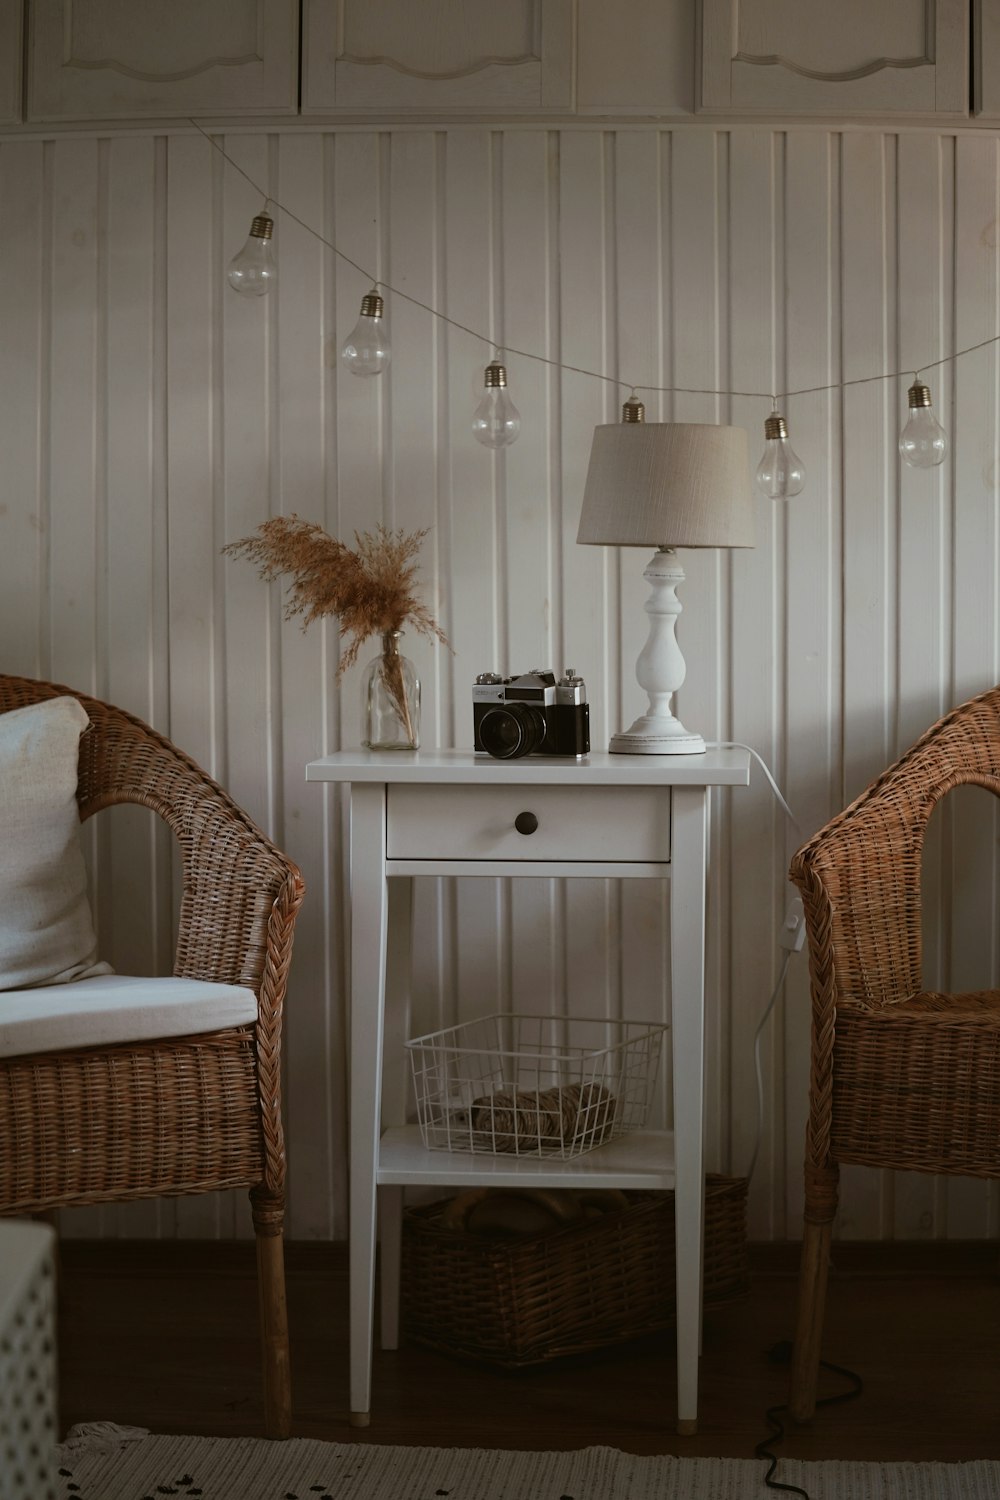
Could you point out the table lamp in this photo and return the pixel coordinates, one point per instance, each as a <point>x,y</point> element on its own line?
<point>665,485</point>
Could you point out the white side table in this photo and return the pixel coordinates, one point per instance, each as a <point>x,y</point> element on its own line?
<point>449,812</point>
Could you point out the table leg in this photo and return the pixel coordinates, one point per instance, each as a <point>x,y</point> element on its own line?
<point>395,1092</point>
<point>369,917</point>
<point>687,1032</point>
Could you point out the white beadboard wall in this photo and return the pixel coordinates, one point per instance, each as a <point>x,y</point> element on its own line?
<point>148,415</point>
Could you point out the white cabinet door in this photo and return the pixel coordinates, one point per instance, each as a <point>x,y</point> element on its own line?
<point>437,56</point>
<point>859,57</point>
<point>987,60</point>
<point>10,61</point>
<point>123,59</point>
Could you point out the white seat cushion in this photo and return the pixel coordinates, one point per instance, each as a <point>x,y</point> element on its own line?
<point>114,1008</point>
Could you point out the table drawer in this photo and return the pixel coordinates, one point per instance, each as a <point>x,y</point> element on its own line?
<point>602,824</point>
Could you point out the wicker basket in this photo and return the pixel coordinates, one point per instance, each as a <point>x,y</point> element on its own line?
<point>601,1281</point>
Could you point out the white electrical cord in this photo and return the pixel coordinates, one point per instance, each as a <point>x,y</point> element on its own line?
<point>739,745</point>
<point>759,1131</point>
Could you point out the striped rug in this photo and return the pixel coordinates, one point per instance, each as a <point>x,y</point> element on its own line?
<point>102,1462</point>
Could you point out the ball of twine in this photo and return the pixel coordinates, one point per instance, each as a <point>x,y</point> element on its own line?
<point>569,1115</point>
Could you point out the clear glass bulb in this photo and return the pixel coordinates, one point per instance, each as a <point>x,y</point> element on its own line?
<point>923,442</point>
<point>366,351</point>
<point>253,270</point>
<point>780,473</point>
<point>496,421</point>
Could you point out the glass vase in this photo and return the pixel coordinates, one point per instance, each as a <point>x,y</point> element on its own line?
<point>390,699</point>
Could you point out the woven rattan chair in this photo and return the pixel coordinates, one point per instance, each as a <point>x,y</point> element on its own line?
<point>901,1077</point>
<point>185,1114</point>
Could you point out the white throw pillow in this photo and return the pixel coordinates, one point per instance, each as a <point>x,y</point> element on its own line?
<point>46,928</point>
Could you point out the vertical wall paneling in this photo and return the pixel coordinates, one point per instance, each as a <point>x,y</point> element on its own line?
<point>528,181</point>
<point>642,227</point>
<point>133,888</point>
<point>470,604</point>
<point>693,182</point>
<point>591,617</point>
<point>870,461</point>
<point>24,399</point>
<point>756,350</point>
<point>810,524</point>
<point>314,1031</point>
<point>148,415</point>
<point>925,197</point>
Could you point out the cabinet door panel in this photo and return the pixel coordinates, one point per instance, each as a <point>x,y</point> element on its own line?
<point>10,61</point>
<point>121,59</point>
<point>432,56</point>
<point>987,60</point>
<point>781,57</point>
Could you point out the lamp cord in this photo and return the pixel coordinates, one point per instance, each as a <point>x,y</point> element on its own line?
<point>781,1354</point>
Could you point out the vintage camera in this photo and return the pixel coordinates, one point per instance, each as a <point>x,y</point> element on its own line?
<point>530,715</point>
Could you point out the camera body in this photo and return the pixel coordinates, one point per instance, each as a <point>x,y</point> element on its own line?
<point>530,714</point>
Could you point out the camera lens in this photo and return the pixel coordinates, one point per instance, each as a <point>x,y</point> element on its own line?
<point>507,733</point>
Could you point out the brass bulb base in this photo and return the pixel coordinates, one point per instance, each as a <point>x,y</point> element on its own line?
<point>633,410</point>
<point>494,376</point>
<point>775,427</point>
<point>262,227</point>
<point>371,305</point>
<point>918,395</point>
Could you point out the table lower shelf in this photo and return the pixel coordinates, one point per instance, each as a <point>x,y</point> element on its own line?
<point>643,1159</point>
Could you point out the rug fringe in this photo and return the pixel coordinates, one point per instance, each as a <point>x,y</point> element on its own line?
<point>101,1437</point>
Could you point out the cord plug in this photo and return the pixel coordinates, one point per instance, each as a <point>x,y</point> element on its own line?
<point>793,930</point>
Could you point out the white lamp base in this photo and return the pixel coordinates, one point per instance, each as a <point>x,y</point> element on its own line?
<point>660,670</point>
<point>645,737</point>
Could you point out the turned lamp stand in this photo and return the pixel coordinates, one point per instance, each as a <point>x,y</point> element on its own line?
<point>660,670</point>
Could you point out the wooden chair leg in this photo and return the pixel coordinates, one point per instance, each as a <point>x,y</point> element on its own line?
<point>809,1324</point>
<point>268,1215</point>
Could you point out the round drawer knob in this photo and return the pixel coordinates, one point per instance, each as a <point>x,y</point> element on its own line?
<point>526,822</point>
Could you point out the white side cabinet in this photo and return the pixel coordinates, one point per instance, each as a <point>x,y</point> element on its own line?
<point>433,56</point>
<point>129,59</point>
<point>780,57</point>
<point>449,812</point>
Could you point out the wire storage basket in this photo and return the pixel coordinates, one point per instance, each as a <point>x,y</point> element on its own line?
<point>533,1085</point>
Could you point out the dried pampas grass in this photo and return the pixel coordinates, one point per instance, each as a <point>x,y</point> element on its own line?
<point>370,589</point>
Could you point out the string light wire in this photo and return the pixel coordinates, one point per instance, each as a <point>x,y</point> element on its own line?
<point>664,390</point>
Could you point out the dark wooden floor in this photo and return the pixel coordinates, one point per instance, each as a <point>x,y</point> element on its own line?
<point>163,1335</point>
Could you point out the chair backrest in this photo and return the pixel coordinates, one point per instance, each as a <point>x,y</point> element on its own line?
<point>233,875</point>
<point>860,876</point>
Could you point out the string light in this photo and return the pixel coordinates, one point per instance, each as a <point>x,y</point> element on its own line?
<point>923,442</point>
<point>252,270</point>
<point>928,449</point>
<point>496,421</point>
<point>780,473</point>
<point>366,350</point>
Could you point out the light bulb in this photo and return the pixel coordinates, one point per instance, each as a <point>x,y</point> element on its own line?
<point>923,442</point>
<point>367,351</point>
<point>496,421</point>
<point>780,473</point>
<point>253,270</point>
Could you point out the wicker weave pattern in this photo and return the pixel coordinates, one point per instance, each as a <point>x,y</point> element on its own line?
<point>860,883</point>
<point>595,1283</point>
<point>189,1114</point>
<point>900,1077</point>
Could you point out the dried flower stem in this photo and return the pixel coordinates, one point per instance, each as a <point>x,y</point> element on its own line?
<point>392,672</point>
<point>371,590</point>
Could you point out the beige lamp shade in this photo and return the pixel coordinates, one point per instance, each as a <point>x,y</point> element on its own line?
<point>668,484</point>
